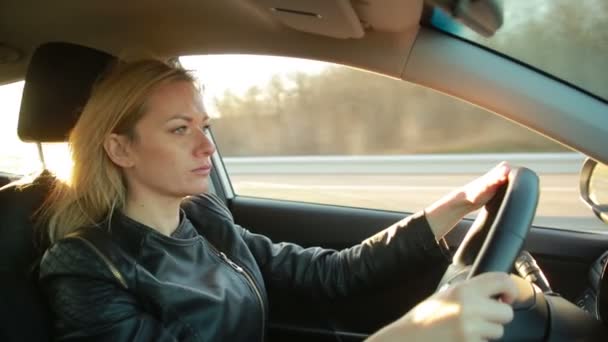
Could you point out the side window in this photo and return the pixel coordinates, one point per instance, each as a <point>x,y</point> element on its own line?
<point>18,158</point>
<point>308,131</point>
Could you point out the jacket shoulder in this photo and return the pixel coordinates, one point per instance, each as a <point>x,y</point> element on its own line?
<point>88,252</point>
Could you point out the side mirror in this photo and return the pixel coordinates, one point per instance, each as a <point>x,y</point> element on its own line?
<point>594,187</point>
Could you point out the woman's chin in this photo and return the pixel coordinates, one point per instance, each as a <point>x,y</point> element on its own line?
<point>191,189</point>
<point>201,187</point>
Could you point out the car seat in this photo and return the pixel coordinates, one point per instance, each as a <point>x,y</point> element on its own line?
<point>57,84</point>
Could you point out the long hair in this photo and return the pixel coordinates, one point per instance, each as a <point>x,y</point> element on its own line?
<point>96,186</point>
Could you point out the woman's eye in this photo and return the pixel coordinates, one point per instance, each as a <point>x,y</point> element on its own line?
<point>180,130</point>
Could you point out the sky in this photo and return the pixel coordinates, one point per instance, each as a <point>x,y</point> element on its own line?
<point>240,72</point>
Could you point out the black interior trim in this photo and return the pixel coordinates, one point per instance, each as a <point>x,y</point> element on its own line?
<point>581,246</point>
<point>355,223</point>
<point>572,245</point>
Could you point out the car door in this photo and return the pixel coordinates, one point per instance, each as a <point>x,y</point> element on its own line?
<point>564,256</point>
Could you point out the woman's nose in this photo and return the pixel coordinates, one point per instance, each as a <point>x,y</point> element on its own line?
<point>205,145</point>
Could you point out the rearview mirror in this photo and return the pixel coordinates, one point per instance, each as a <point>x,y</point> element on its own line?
<point>594,187</point>
<point>482,16</point>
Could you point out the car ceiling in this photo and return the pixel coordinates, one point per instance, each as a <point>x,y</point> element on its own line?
<point>181,27</point>
<point>382,36</point>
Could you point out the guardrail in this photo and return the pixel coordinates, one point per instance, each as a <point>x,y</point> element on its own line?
<point>547,163</point>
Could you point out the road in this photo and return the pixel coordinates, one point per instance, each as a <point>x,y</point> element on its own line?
<point>559,204</point>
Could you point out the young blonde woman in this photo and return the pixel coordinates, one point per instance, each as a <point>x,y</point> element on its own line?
<point>135,258</point>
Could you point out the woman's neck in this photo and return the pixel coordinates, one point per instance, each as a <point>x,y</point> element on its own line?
<point>161,214</point>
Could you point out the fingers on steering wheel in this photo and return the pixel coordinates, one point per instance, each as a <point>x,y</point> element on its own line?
<point>495,311</point>
<point>490,331</point>
<point>495,284</point>
<point>499,174</point>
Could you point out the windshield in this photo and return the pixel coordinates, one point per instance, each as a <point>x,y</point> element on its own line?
<point>565,38</point>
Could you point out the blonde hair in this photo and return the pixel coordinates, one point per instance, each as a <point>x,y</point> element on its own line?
<point>96,186</point>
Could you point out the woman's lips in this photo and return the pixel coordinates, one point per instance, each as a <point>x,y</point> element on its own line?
<point>203,170</point>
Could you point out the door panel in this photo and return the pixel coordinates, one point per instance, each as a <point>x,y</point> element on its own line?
<point>331,227</point>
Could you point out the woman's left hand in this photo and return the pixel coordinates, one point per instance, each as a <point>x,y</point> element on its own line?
<point>446,212</point>
<point>481,190</point>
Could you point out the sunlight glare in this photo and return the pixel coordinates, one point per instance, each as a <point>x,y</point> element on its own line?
<point>58,160</point>
<point>434,310</point>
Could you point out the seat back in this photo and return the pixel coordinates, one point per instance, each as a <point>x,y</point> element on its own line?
<point>57,85</point>
<point>23,313</point>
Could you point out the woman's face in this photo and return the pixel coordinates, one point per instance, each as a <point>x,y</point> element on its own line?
<point>170,154</point>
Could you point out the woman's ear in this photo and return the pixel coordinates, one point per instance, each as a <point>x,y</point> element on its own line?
<point>117,148</point>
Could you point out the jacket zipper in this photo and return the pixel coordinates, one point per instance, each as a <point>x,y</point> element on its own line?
<point>249,279</point>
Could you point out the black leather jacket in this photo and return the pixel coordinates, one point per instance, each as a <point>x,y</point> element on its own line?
<point>124,281</point>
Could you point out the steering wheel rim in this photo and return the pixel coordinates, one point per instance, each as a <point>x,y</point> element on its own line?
<point>499,231</point>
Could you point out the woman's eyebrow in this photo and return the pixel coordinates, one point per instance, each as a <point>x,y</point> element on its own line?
<point>180,116</point>
<point>205,117</point>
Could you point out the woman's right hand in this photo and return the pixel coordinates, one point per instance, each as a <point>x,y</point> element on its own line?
<point>468,311</point>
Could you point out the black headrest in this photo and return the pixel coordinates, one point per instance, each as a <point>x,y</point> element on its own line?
<point>57,85</point>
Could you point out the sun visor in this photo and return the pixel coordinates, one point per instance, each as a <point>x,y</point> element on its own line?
<point>333,18</point>
<point>58,83</point>
<point>344,18</point>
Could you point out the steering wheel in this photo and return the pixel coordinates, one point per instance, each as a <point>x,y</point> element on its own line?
<point>494,241</point>
<point>497,235</point>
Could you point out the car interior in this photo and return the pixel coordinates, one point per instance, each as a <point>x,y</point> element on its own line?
<point>60,49</point>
